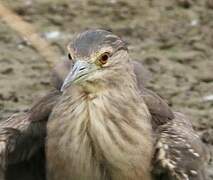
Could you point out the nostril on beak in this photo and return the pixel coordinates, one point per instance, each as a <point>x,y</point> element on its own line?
<point>82,68</point>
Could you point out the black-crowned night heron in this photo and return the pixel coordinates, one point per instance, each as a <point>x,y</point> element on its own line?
<point>102,124</point>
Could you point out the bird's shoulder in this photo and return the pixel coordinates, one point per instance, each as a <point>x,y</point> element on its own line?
<point>159,109</point>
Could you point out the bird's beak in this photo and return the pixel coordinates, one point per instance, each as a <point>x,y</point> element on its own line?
<point>77,72</point>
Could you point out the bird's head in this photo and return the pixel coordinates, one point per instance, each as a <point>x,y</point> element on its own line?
<point>99,59</point>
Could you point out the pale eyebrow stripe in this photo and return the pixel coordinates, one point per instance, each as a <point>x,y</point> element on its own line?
<point>95,55</point>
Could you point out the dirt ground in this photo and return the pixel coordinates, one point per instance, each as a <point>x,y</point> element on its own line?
<point>172,38</point>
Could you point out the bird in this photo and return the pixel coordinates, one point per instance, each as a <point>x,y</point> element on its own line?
<point>101,126</point>
<point>100,122</point>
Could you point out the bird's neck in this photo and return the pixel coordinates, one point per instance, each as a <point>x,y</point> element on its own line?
<point>110,126</point>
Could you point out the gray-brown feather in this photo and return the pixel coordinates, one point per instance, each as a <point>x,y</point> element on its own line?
<point>179,151</point>
<point>22,139</point>
<point>37,112</point>
<point>112,136</point>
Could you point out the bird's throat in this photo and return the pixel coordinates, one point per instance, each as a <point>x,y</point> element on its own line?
<point>111,127</point>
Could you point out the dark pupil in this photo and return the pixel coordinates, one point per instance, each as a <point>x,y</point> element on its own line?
<point>69,56</point>
<point>104,58</point>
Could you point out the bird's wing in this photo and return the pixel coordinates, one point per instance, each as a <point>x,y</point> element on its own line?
<point>180,154</point>
<point>160,111</point>
<point>20,146</point>
<point>23,135</point>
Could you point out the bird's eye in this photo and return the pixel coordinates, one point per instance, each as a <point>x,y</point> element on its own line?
<point>104,58</point>
<point>69,57</point>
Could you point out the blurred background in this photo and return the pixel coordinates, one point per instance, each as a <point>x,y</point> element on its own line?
<point>173,39</point>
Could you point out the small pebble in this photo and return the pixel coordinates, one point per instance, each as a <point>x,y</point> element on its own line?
<point>208,98</point>
<point>52,34</point>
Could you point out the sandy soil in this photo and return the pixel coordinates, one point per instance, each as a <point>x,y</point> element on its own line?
<point>172,38</point>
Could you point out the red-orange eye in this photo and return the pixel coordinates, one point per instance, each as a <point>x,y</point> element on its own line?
<point>104,58</point>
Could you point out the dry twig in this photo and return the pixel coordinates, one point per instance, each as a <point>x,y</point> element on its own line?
<point>28,32</point>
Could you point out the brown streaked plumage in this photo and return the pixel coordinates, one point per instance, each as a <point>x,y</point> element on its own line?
<point>159,109</point>
<point>163,122</point>
<point>101,126</point>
